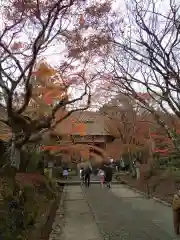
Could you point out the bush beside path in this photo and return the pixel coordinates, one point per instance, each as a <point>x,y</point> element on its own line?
<point>162,187</point>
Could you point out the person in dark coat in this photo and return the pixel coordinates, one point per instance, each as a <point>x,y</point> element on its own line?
<point>87,176</point>
<point>108,175</point>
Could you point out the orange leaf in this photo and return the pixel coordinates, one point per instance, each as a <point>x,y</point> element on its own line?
<point>50,95</point>
<point>47,99</point>
<point>54,93</point>
<point>50,148</point>
<point>44,148</point>
<point>44,71</point>
<point>79,128</point>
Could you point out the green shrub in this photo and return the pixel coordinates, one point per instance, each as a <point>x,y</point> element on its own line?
<point>46,172</point>
<point>32,198</point>
<point>7,193</point>
<point>48,187</point>
<point>57,172</point>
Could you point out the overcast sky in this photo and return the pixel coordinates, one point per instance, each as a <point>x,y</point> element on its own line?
<point>55,54</point>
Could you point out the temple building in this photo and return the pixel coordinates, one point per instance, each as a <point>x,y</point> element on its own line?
<point>88,131</point>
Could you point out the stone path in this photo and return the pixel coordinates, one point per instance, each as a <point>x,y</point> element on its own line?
<point>116,214</point>
<point>122,214</point>
<point>78,222</point>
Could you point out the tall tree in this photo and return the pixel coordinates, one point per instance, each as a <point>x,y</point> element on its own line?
<point>31,31</point>
<point>145,56</point>
<point>128,122</point>
<point>138,52</point>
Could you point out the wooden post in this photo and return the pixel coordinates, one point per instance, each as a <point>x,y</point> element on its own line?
<point>50,167</point>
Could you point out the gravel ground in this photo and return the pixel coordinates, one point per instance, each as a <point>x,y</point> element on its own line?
<point>119,219</point>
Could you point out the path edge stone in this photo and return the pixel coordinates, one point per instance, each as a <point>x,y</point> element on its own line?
<point>59,211</point>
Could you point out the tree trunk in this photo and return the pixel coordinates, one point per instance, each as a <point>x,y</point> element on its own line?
<point>132,169</point>
<point>137,173</point>
<point>148,190</point>
<point>25,158</point>
<point>130,162</point>
<point>14,154</point>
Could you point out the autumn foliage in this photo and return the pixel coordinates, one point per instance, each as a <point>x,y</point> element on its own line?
<point>135,129</point>
<point>36,82</point>
<point>50,52</point>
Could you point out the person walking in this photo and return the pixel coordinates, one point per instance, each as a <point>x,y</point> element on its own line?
<point>108,175</point>
<point>176,212</point>
<point>81,172</point>
<point>101,175</point>
<point>87,176</point>
<point>65,173</point>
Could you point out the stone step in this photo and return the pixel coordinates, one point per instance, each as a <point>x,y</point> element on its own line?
<point>71,182</point>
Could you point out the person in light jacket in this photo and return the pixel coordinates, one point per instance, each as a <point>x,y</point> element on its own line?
<point>65,173</point>
<point>81,173</point>
<point>176,212</point>
<point>102,177</point>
